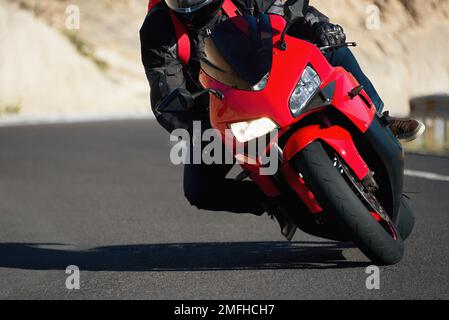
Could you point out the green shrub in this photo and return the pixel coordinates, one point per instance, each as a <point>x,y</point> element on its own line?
<point>84,49</point>
<point>10,108</point>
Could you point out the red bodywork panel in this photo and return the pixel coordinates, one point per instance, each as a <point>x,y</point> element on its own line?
<point>273,102</point>
<point>299,186</point>
<point>336,137</point>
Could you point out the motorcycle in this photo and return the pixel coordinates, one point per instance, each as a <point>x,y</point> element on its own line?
<point>340,173</point>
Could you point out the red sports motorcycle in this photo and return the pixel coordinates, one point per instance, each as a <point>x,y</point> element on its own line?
<point>340,173</point>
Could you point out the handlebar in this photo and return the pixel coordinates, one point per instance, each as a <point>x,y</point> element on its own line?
<point>338,46</point>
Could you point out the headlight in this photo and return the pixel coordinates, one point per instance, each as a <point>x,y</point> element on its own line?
<point>249,130</point>
<point>306,88</point>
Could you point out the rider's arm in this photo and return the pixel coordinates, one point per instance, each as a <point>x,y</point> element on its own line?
<point>305,28</point>
<point>162,67</point>
<point>313,16</point>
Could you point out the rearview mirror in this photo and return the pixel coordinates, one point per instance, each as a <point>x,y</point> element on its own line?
<point>293,10</point>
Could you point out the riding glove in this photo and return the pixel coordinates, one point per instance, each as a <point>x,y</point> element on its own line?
<point>328,34</point>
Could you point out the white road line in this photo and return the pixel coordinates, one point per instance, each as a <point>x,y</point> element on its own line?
<point>426,175</point>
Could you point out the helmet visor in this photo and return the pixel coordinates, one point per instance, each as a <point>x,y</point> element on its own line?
<point>187,6</point>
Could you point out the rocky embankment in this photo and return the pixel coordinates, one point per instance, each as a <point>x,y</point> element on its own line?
<point>47,69</point>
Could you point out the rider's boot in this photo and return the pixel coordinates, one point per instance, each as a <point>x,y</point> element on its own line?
<point>406,129</point>
<point>288,227</point>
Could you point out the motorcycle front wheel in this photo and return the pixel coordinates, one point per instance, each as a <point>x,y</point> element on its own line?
<point>377,238</point>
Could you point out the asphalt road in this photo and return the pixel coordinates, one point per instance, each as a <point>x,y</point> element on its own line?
<point>104,197</point>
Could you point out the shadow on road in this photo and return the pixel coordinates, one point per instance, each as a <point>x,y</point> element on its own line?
<point>179,256</point>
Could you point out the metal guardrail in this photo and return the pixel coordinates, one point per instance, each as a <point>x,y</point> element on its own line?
<point>434,112</point>
<point>430,106</point>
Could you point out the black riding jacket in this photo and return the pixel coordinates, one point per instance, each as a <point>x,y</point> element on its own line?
<point>165,72</point>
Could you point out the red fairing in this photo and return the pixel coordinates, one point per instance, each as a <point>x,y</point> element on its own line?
<point>299,186</point>
<point>336,137</point>
<point>354,109</point>
<point>273,102</point>
<point>240,105</point>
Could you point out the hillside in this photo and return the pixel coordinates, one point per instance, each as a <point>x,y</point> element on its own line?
<point>46,69</point>
<point>407,55</point>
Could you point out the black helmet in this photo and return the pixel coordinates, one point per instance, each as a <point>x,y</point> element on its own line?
<point>197,12</point>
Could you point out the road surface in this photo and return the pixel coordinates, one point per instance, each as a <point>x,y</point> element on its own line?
<point>104,197</point>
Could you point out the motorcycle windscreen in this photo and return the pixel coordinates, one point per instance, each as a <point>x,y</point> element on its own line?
<point>239,51</point>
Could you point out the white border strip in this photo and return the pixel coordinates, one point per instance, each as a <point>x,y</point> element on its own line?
<point>426,175</point>
<point>70,118</point>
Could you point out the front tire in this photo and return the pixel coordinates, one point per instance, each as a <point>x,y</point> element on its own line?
<point>406,220</point>
<point>337,197</point>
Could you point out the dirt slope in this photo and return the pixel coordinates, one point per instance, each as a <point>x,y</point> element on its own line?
<point>42,72</point>
<point>406,55</point>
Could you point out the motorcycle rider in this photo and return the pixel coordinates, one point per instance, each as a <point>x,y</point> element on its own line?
<point>204,185</point>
